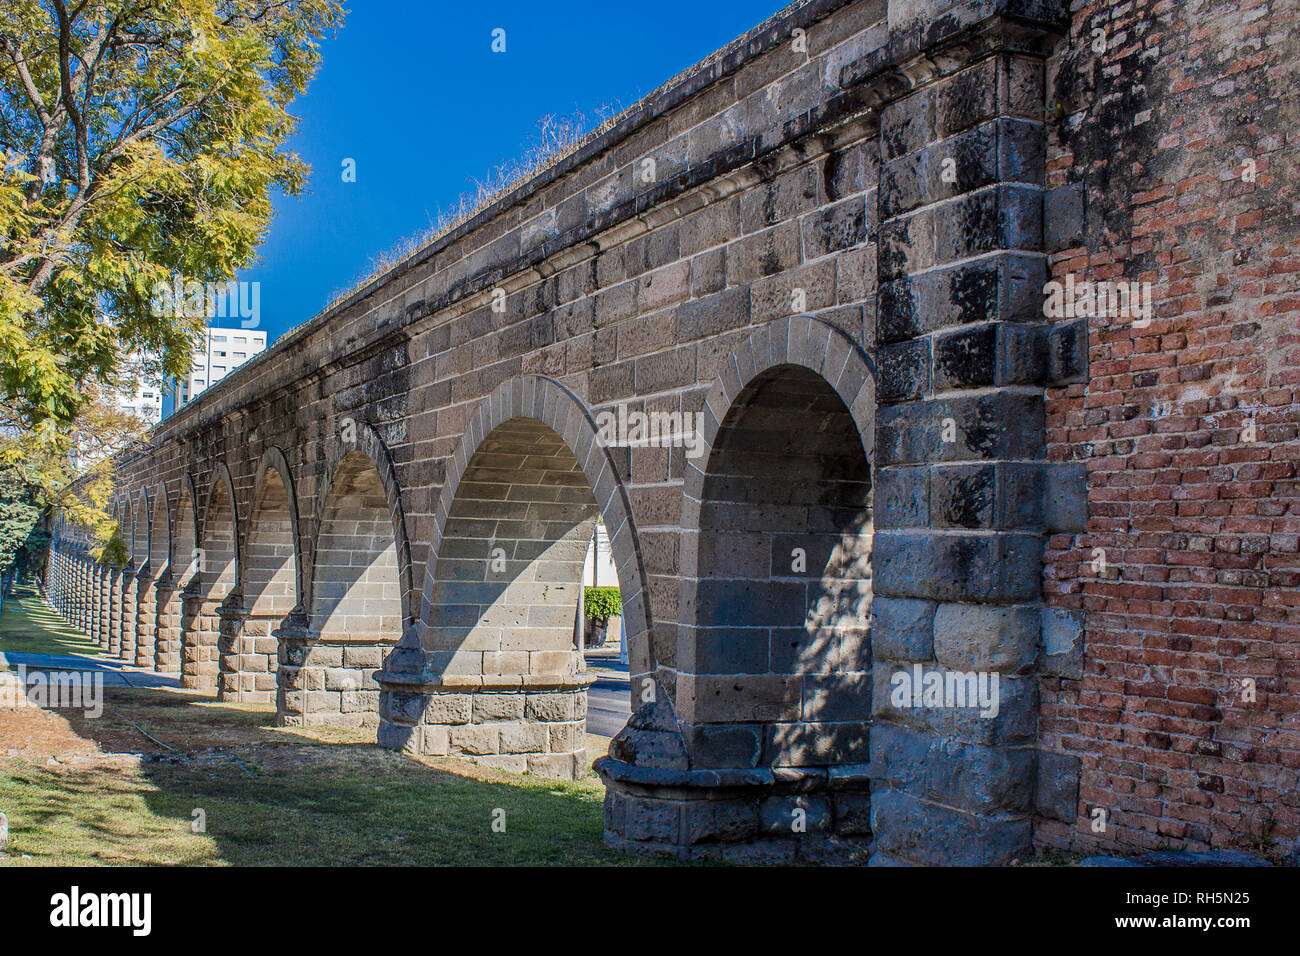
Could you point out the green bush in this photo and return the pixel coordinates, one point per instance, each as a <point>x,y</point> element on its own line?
<point>602,602</point>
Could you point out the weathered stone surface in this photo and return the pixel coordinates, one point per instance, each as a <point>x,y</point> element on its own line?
<point>837,262</point>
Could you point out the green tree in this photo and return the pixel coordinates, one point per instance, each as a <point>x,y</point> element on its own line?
<point>44,464</point>
<point>141,140</point>
<point>19,516</point>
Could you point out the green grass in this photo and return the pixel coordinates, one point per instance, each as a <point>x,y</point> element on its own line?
<point>29,626</point>
<point>336,805</point>
<point>121,789</point>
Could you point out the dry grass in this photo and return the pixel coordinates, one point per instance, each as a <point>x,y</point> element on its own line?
<point>556,138</point>
<point>81,792</point>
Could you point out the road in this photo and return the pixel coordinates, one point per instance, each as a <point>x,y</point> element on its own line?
<point>608,703</point>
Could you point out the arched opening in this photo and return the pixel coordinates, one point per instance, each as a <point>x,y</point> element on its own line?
<point>126,585</point>
<point>505,613</point>
<point>142,593</point>
<point>164,600</point>
<point>140,533</point>
<point>216,576</point>
<point>356,600</point>
<point>270,585</point>
<point>782,590</point>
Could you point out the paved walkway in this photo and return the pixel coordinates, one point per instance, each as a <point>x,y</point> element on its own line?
<point>116,673</point>
<point>608,701</point>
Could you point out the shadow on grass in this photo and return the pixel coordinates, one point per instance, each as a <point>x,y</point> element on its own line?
<point>273,796</point>
<point>29,626</point>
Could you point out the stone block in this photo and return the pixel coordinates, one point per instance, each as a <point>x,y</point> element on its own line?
<point>1063,643</point>
<point>925,833</point>
<point>1065,497</point>
<point>902,628</point>
<point>795,815</point>
<point>986,637</point>
<point>1056,793</point>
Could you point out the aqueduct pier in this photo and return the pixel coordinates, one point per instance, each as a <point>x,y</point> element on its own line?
<point>830,241</point>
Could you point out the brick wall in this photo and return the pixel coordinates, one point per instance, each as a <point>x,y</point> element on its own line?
<point>1188,426</point>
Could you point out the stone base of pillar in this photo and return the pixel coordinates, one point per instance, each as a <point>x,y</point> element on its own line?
<point>167,643</point>
<point>781,815</point>
<point>525,724</point>
<point>199,651</point>
<point>145,625</point>
<point>328,681</point>
<point>249,657</point>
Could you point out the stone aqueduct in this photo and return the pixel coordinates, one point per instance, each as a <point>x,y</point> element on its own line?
<point>381,521</point>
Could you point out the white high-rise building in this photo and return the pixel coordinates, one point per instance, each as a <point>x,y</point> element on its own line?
<point>223,352</point>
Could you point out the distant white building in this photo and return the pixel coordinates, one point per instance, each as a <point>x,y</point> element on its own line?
<point>223,352</point>
<point>220,353</point>
<point>599,569</point>
<point>146,401</point>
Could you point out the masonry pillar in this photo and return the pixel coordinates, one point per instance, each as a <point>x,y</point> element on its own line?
<point>70,588</point>
<point>76,590</point>
<point>128,626</point>
<point>199,628</point>
<point>70,601</point>
<point>83,592</point>
<point>115,612</point>
<point>65,584</point>
<point>167,645</point>
<point>103,606</point>
<point>290,675</point>
<point>146,610</point>
<point>230,627</point>
<point>53,588</point>
<point>258,657</point>
<point>963,357</point>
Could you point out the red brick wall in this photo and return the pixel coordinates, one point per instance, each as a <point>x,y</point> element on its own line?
<point>1199,526</point>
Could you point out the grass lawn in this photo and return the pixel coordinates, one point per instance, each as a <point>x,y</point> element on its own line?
<point>80,791</point>
<point>29,626</point>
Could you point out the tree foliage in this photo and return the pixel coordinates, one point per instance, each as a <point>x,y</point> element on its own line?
<point>40,467</point>
<point>602,603</point>
<point>19,517</point>
<point>141,141</point>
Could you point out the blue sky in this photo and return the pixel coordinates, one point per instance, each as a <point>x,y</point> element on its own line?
<point>411,90</point>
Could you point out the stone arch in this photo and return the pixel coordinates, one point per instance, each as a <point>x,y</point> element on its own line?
<point>271,576</point>
<point>211,584</point>
<point>549,403</point>
<point>274,489</point>
<point>164,599</point>
<point>773,674</point>
<point>140,530</point>
<point>140,599</point>
<point>184,562</point>
<point>359,595</point>
<point>372,447</point>
<point>126,528</point>
<point>160,531</point>
<point>777,526</point>
<point>219,536</point>
<point>125,611</point>
<point>501,595</point>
